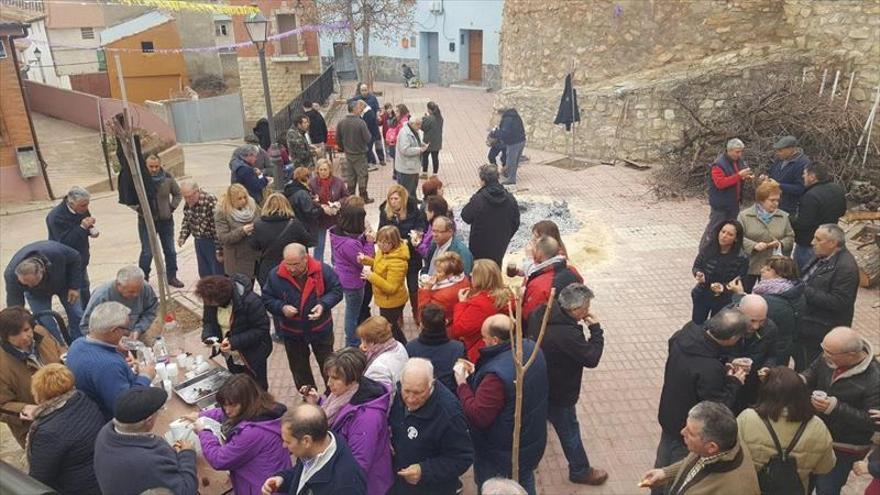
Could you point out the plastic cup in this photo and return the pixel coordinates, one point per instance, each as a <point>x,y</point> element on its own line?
<point>161,370</point>
<point>199,359</point>
<point>171,372</point>
<point>743,363</point>
<point>181,360</point>
<point>820,395</point>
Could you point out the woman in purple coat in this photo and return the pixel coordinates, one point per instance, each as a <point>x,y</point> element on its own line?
<point>349,238</point>
<point>250,422</point>
<point>357,410</point>
<point>328,190</point>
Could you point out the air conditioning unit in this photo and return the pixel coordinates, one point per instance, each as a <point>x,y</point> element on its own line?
<point>437,7</point>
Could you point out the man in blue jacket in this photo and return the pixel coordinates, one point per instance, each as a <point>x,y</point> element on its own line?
<point>41,270</point>
<point>726,175</point>
<point>788,170</point>
<point>324,466</point>
<point>100,370</point>
<point>244,172</point>
<point>301,293</point>
<point>71,224</point>
<point>429,434</point>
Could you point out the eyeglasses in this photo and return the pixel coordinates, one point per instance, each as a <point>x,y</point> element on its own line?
<point>827,353</point>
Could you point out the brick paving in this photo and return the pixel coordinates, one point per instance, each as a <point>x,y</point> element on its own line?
<point>635,252</point>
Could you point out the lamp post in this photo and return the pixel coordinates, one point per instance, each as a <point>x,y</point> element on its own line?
<point>257,27</point>
<point>39,56</point>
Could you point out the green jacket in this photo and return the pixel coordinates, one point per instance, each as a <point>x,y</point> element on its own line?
<point>299,150</point>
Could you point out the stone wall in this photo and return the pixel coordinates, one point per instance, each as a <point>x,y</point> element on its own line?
<point>630,54</point>
<point>284,83</point>
<point>388,69</point>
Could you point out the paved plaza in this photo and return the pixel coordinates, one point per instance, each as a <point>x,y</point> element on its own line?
<point>634,251</point>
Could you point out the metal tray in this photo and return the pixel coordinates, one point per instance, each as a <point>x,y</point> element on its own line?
<point>203,386</point>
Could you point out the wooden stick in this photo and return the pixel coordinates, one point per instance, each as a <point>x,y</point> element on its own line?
<point>518,386</point>
<point>822,87</point>
<point>834,87</point>
<point>544,322</point>
<point>804,76</point>
<point>870,127</point>
<point>852,76</point>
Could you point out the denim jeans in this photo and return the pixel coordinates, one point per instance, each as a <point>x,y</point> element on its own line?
<point>410,182</point>
<point>39,302</point>
<point>165,231</point>
<point>831,483</point>
<point>84,292</point>
<point>670,450</point>
<point>514,153</point>
<point>485,469</point>
<point>206,256</point>
<point>353,300</point>
<point>564,421</point>
<point>321,241</point>
<point>802,256</point>
<point>375,146</point>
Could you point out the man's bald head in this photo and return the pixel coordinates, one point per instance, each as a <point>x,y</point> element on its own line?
<point>417,370</point>
<point>755,308</point>
<point>842,347</point>
<point>497,328</point>
<point>306,420</point>
<point>294,249</point>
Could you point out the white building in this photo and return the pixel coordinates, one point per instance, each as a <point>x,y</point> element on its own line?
<point>40,59</point>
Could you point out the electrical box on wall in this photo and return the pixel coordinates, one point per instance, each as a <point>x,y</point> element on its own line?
<point>436,7</point>
<point>451,46</point>
<point>28,163</point>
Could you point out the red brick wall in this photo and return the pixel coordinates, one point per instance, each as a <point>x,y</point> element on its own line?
<point>16,132</point>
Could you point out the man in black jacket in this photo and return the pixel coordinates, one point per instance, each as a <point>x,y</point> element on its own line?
<point>317,124</point>
<point>849,377</point>
<point>71,224</point>
<point>513,134</point>
<point>761,344</point>
<point>567,353</point>
<point>695,371</point>
<point>823,202</point>
<point>493,215</point>
<point>831,283</point>
<point>41,270</point>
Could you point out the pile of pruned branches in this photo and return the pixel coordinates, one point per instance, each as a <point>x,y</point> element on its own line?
<point>759,110</point>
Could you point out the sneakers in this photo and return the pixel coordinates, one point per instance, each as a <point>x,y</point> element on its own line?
<point>382,163</point>
<point>175,282</point>
<point>423,175</point>
<point>372,167</point>
<point>595,477</point>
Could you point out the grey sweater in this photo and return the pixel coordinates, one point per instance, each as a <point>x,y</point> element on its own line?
<point>143,307</point>
<point>131,464</point>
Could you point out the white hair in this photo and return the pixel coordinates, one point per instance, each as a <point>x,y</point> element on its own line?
<point>421,367</point>
<point>188,184</point>
<point>107,316</point>
<point>835,233</point>
<point>30,266</point>
<point>295,248</point>
<point>735,144</point>
<point>77,194</point>
<point>128,274</point>
<point>416,119</point>
<point>502,486</point>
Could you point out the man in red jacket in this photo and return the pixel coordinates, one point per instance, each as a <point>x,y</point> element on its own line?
<point>550,270</point>
<point>725,187</point>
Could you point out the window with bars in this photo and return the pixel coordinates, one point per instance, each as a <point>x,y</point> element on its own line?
<point>147,47</point>
<point>87,33</point>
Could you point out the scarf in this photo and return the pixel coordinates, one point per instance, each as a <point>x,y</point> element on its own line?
<point>448,282</point>
<point>334,403</point>
<point>544,264</point>
<point>324,190</point>
<point>763,215</point>
<point>773,286</point>
<point>45,409</point>
<point>378,349</point>
<point>244,215</point>
<point>158,178</point>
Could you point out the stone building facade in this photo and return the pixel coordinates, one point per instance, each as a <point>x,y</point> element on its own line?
<point>630,55</point>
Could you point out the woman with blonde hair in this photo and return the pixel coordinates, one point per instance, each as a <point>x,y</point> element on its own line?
<point>766,230</point>
<point>328,191</point>
<point>234,222</point>
<point>387,275</point>
<point>402,211</point>
<point>385,355</point>
<point>487,296</point>
<point>276,228</point>
<point>61,440</point>
<point>443,288</point>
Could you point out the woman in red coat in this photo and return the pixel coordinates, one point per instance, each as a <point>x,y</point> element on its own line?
<point>443,288</point>
<point>487,296</point>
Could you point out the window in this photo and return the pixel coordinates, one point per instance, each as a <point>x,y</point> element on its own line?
<point>87,33</point>
<point>147,47</point>
<point>102,61</point>
<point>221,29</point>
<point>2,49</point>
<point>289,45</point>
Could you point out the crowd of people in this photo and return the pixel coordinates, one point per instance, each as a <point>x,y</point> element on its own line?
<point>774,287</point>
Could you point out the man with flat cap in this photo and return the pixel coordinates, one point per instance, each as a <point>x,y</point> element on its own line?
<point>130,459</point>
<point>788,170</point>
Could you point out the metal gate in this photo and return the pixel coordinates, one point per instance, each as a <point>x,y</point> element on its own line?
<point>208,119</point>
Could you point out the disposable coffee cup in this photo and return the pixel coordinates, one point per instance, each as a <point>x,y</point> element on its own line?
<point>820,395</point>
<point>743,363</point>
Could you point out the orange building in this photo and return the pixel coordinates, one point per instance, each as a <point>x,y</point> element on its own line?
<point>148,74</point>
<point>21,175</point>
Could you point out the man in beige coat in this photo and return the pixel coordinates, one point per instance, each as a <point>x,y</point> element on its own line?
<point>717,463</point>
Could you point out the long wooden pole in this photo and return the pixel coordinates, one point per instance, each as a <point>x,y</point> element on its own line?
<point>130,151</point>
<point>521,369</point>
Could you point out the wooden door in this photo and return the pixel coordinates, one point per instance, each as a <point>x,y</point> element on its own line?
<point>475,55</point>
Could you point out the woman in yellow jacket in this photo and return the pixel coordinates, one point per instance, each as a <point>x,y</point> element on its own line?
<point>387,274</point>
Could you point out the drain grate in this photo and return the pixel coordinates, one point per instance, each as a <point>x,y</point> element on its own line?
<point>572,164</point>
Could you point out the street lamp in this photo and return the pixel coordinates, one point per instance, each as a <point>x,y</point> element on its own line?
<point>39,56</point>
<point>257,27</point>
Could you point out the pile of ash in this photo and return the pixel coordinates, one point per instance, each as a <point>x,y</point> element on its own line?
<point>530,213</point>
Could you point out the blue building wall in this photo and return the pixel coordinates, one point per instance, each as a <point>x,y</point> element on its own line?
<point>443,34</point>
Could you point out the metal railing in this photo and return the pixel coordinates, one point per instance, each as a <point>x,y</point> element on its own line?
<point>33,5</point>
<point>318,91</point>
